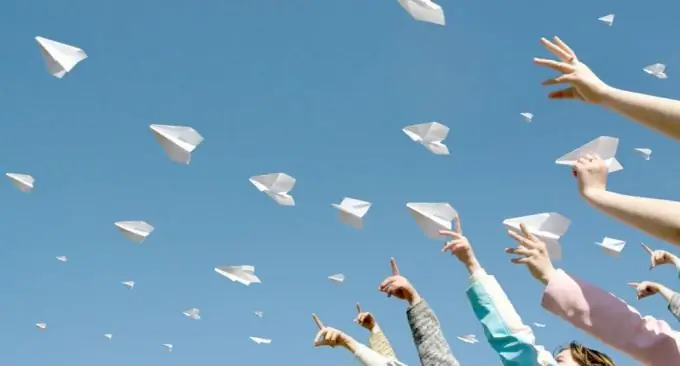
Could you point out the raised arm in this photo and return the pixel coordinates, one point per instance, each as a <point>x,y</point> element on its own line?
<point>433,349</point>
<point>377,339</point>
<point>648,288</point>
<point>513,341</point>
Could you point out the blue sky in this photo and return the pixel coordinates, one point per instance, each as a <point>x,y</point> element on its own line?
<point>319,90</point>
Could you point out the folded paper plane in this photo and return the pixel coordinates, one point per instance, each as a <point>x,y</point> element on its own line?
<point>547,226</point>
<point>277,186</point>
<point>193,313</point>
<point>612,246</point>
<point>62,258</point>
<point>645,153</point>
<point>241,274</point>
<point>23,182</point>
<point>259,340</point>
<point>468,338</point>
<point>528,117</point>
<point>539,325</point>
<point>604,147</point>
<point>108,336</point>
<point>656,70</point>
<point>59,57</point>
<point>177,141</point>
<point>168,347</point>
<point>430,135</point>
<point>41,326</point>
<point>352,211</point>
<point>136,231</point>
<point>607,19</point>
<point>425,11</point>
<point>258,314</point>
<point>129,284</point>
<point>337,278</point>
<point>432,217</point>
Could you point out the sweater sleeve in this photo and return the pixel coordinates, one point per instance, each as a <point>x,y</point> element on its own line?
<point>433,349</point>
<point>674,305</point>
<point>379,343</point>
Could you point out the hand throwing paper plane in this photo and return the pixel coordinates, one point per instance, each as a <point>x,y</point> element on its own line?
<point>177,141</point>
<point>352,211</point>
<point>547,226</point>
<point>337,278</point>
<point>607,19</point>
<point>612,246</point>
<point>656,70</point>
<point>59,57</point>
<point>432,217</point>
<point>276,186</point>
<point>241,274</point>
<point>528,117</point>
<point>645,153</point>
<point>193,313</point>
<point>425,11</point>
<point>23,182</point>
<point>136,231</point>
<point>129,284</point>
<point>430,135</point>
<point>604,147</point>
<point>259,340</point>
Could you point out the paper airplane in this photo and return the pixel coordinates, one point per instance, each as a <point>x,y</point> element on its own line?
<point>276,186</point>
<point>62,258</point>
<point>645,153</point>
<point>168,347</point>
<point>337,278</point>
<point>539,325</point>
<point>352,211</point>
<point>108,336</point>
<point>612,246</point>
<point>469,338</point>
<point>136,231</point>
<point>528,117</point>
<point>241,274</point>
<point>425,11</point>
<point>656,70</point>
<point>23,182</point>
<point>41,326</point>
<point>59,57</point>
<point>430,135</point>
<point>607,19</point>
<point>193,313</point>
<point>258,314</point>
<point>129,284</point>
<point>432,217</point>
<point>604,147</point>
<point>260,340</point>
<point>177,141</point>
<point>547,226</point>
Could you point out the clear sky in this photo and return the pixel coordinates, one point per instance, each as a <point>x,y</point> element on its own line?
<point>319,90</point>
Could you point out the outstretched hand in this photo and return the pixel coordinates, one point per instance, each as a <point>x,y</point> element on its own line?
<point>659,257</point>
<point>365,319</point>
<point>533,253</point>
<point>398,286</point>
<point>584,84</point>
<point>645,288</point>
<point>591,173</point>
<point>328,336</point>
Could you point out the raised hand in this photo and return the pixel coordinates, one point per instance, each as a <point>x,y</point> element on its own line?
<point>533,253</point>
<point>328,336</point>
<point>645,288</point>
<point>398,286</point>
<point>584,84</point>
<point>591,173</point>
<point>364,319</point>
<point>460,247</point>
<point>659,257</point>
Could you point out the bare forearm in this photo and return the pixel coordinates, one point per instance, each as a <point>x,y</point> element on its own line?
<point>660,114</point>
<point>659,218</point>
<point>666,293</point>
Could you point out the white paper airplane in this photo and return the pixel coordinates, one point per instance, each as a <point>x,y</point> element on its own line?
<point>604,147</point>
<point>258,314</point>
<point>259,340</point>
<point>129,284</point>
<point>468,338</point>
<point>528,117</point>
<point>108,336</point>
<point>62,258</point>
<point>177,141</point>
<point>276,186</point>
<point>425,11</point>
<point>23,182</point>
<point>656,70</point>
<point>612,246</point>
<point>59,57</point>
<point>41,326</point>
<point>547,226</point>
<point>193,313</point>
<point>136,231</point>
<point>168,347</point>
<point>241,274</point>
<point>352,211</point>
<point>644,152</point>
<point>337,278</point>
<point>432,217</point>
<point>539,325</point>
<point>430,135</point>
<point>607,19</point>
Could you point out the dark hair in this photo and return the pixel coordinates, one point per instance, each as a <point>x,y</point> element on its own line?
<point>585,356</point>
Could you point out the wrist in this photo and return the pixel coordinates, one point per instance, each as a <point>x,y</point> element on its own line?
<point>594,195</point>
<point>607,96</point>
<point>472,266</point>
<point>350,344</point>
<point>547,275</point>
<point>375,329</point>
<point>414,300</point>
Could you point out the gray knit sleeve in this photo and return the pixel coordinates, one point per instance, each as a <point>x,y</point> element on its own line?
<point>433,349</point>
<point>674,305</point>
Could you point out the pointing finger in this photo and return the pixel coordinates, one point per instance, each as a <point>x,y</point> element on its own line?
<point>359,308</point>
<point>633,284</point>
<point>317,321</point>
<point>395,269</point>
<point>647,249</point>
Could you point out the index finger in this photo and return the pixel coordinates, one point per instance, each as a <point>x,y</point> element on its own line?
<point>459,226</point>
<point>454,234</point>
<point>647,249</point>
<point>359,308</point>
<point>564,46</point>
<point>525,231</point>
<point>317,321</point>
<point>633,284</point>
<point>395,269</point>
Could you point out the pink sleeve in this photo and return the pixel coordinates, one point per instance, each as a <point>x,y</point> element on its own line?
<point>610,319</point>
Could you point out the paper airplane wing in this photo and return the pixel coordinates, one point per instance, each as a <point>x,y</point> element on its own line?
<point>436,132</point>
<point>425,11</point>
<point>59,57</point>
<point>284,183</point>
<point>555,223</point>
<point>415,132</point>
<point>351,219</point>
